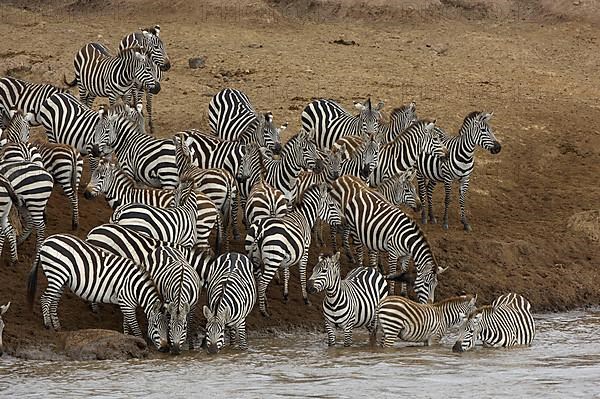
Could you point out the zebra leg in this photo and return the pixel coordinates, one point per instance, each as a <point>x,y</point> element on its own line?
<point>241,334</point>
<point>49,302</point>
<point>232,336</point>
<point>303,263</point>
<point>392,261</point>
<point>330,333</point>
<point>234,208</point>
<point>333,238</point>
<point>40,232</point>
<point>447,193</point>
<point>27,226</point>
<point>71,194</point>
<point>430,187</point>
<point>149,111</point>
<point>373,258</point>
<point>348,334</point>
<point>286,282</point>
<point>270,266</point>
<point>359,249</point>
<point>9,232</point>
<point>346,243</point>
<point>462,193</point>
<point>191,324</point>
<point>422,192</point>
<point>130,324</point>
<point>404,268</point>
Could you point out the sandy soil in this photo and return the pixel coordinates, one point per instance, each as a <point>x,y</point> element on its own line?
<point>534,207</point>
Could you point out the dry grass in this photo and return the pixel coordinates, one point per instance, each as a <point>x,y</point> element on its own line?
<point>588,223</point>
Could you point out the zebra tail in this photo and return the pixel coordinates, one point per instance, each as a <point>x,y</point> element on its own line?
<point>11,193</point>
<point>32,283</point>
<point>74,171</point>
<point>70,84</point>
<point>219,233</point>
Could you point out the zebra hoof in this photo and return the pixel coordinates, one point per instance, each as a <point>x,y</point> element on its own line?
<point>445,226</point>
<point>468,227</point>
<point>285,298</point>
<point>307,302</point>
<point>265,314</point>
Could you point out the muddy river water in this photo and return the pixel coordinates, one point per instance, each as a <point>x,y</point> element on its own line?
<point>563,362</point>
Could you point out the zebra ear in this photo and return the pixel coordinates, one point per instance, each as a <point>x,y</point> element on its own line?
<point>336,257</point>
<point>269,117</point>
<point>412,106</point>
<point>4,308</point>
<point>29,117</point>
<point>139,107</point>
<point>441,270</point>
<point>207,313</point>
<point>12,112</point>
<point>473,300</point>
<point>379,106</point>
<point>157,30</point>
<point>430,126</point>
<point>146,34</point>
<point>359,106</point>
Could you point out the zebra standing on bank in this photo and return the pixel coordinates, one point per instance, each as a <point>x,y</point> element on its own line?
<point>179,285</point>
<point>400,119</point>
<point>99,74</point>
<point>148,39</point>
<point>506,322</point>
<point>399,190</point>
<point>99,277</point>
<point>350,302</point>
<point>285,241</point>
<point>231,296</point>
<point>29,97</point>
<point>360,155</point>
<point>381,226</point>
<point>232,117</point>
<point>417,322</point>
<point>8,198</point>
<point>459,165</point>
<point>69,122</point>
<point>145,158</point>
<point>132,245</point>
<point>329,121</point>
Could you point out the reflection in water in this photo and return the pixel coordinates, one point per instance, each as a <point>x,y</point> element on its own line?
<point>564,361</point>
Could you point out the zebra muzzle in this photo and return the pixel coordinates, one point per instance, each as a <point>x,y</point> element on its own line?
<point>277,148</point>
<point>212,349</point>
<point>88,195</point>
<point>496,148</point>
<point>155,88</point>
<point>457,347</point>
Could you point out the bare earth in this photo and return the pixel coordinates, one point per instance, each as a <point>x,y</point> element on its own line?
<point>534,207</point>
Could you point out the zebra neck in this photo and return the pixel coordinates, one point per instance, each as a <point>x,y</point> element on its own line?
<point>450,312</point>
<point>334,291</point>
<point>465,143</point>
<point>308,210</point>
<point>145,291</point>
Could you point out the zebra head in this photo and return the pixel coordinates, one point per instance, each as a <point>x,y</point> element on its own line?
<point>426,282</point>
<point>215,329</point>
<point>267,134</point>
<point>178,325</point>
<point>104,135</point>
<point>183,157</point>
<point>184,192</point>
<point>3,310</point>
<point>158,326</point>
<point>304,150</point>
<point>403,190</point>
<point>369,117</point>
<point>329,209</point>
<point>469,331</point>
<point>430,139</point>
<point>483,134</point>
<point>369,151</point>
<point>404,116</point>
<point>156,47</point>
<point>144,70</point>
<point>325,273</point>
<point>18,127</point>
<point>100,179</point>
<point>332,162</point>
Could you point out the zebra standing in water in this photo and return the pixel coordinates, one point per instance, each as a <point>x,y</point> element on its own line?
<point>416,322</point>
<point>145,158</point>
<point>98,74</point>
<point>474,131</point>
<point>231,297</point>
<point>400,119</point>
<point>232,117</point>
<point>350,302</point>
<point>29,97</point>
<point>330,122</point>
<point>67,121</point>
<point>179,285</point>
<point>381,226</point>
<point>149,40</point>
<point>8,198</point>
<point>99,277</point>
<point>285,241</point>
<point>506,322</point>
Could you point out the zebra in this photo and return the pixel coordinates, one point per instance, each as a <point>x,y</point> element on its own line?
<point>381,226</point>
<point>179,285</point>
<point>285,241</point>
<point>232,117</point>
<point>359,156</point>
<point>100,277</point>
<point>119,189</point>
<point>147,159</point>
<point>99,74</point>
<point>399,190</point>
<point>416,322</point>
<point>506,322</point>
<point>33,185</point>
<point>459,164</point>
<point>217,184</point>
<point>3,310</point>
<point>67,121</point>
<point>148,39</point>
<point>350,302</point>
<point>189,223</point>
<point>299,152</point>
<point>400,119</point>
<point>231,297</point>
<point>329,122</point>
<point>130,244</point>
<point>29,97</point>
<point>62,161</point>
<point>403,152</point>
<point>8,198</point>
<point>135,115</point>
<point>18,127</point>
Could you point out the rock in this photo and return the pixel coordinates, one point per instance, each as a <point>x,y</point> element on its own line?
<point>255,45</point>
<point>197,62</point>
<point>345,42</point>
<point>102,345</point>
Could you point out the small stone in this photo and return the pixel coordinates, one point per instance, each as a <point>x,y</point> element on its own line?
<point>197,62</point>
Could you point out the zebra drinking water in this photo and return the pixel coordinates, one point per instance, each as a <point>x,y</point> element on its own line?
<point>99,277</point>
<point>506,322</point>
<point>350,302</point>
<point>459,165</point>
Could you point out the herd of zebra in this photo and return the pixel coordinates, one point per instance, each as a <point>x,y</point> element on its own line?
<point>169,195</point>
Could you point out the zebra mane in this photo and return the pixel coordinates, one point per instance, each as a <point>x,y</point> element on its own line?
<point>468,119</point>
<point>135,49</point>
<point>411,130</point>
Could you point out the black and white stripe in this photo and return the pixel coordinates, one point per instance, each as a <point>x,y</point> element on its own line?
<point>98,277</point>
<point>399,317</point>
<point>381,226</point>
<point>506,322</point>
<point>459,164</point>
<point>350,302</point>
<point>8,198</point>
<point>232,117</point>
<point>400,119</point>
<point>231,297</point>
<point>283,242</point>
<point>328,121</point>
<point>99,74</point>
<point>17,127</point>
<point>360,155</point>
<point>26,96</point>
